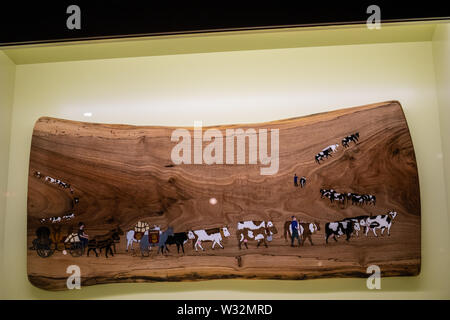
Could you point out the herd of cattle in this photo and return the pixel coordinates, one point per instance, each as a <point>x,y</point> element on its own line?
<point>341,197</point>
<point>64,185</point>
<point>260,232</point>
<point>55,181</point>
<point>328,151</point>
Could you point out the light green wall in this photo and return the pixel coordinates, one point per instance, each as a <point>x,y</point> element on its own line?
<point>237,87</point>
<point>7,74</point>
<point>441,54</point>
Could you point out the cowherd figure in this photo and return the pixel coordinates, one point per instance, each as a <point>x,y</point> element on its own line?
<point>179,238</point>
<point>353,137</point>
<point>294,227</point>
<point>339,228</point>
<point>306,230</point>
<point>214,235</point>
<point>106,241</point>
<point>383,222</point>
<point>163,239</point>
<point>260,231</point>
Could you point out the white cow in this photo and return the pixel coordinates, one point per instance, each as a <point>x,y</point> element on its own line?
<point>213,235</point>
<point>50,179</point>
<point>383,221</point>
<point>69,216</point>
<point>333,147</point>
<point>55,219</point>
<point>254,225</point>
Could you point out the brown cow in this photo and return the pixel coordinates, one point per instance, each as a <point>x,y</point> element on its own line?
<point>215,235</point>
<point>260,235</point>
<point>306,229</point>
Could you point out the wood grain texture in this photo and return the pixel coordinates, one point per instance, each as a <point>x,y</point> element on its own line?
<point>123,174</point>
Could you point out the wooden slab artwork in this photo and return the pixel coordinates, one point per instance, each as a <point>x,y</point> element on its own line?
<point>225,196</point>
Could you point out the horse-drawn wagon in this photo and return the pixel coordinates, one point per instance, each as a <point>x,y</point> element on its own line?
<point>43,244</point>
<point>48,241</point>
<point>73,244</point>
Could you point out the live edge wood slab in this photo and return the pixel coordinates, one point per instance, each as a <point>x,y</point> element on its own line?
<point>113,176</point>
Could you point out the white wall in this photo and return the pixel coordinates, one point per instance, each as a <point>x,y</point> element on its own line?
<point>441,53</point>
<point>238,87</point>
<point>7,74</point>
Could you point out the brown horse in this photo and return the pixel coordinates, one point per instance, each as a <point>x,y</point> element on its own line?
<point>106,241</point>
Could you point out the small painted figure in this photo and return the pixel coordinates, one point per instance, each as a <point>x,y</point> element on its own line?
<point>294,227</point>
<point>84,237</point>
<point>295,180</point>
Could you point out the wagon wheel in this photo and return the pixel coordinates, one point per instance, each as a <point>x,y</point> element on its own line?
<point>76,250</point>
<point>44,251</point>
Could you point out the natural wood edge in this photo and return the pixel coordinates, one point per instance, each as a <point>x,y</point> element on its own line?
<point>59,284</point>
<point>308,118</point>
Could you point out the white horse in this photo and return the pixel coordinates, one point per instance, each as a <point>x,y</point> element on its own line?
<point>131,239</point>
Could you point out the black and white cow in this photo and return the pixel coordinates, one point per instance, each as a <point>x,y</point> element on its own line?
<point>370,199</point>
<point>69,216</point>
<point>340,197</point>
<point>359,221</point>
<point>324,192</point>
<point>383,221</point>
<point>358,199</point>
<point>55,219</point>
<point>353,137</point>
<point>332,148</point>
<point>333,195</point>
<point>302,181</point>
<point>339,228</point>
<point>323,155</point>
<point>327,193</point>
